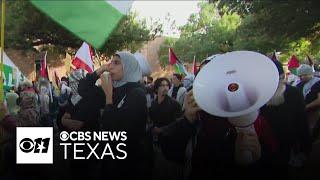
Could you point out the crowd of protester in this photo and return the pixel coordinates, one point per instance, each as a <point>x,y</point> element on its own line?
<point>169,136</point>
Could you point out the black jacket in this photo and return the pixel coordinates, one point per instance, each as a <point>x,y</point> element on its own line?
<point>127,113</point>
<point>88,108</point>
<point>289,124</point>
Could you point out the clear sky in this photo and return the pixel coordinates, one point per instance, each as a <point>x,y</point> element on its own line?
<point>179,12</point>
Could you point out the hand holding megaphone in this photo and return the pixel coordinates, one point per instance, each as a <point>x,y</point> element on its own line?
<point>226,87</point>
<point>248,148</point>
<point>106,84</point>
<point>191,107</point>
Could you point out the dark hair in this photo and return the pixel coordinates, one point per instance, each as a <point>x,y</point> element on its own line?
<point>150,78</point>
<point>279,67</point>
<point>158,82</point>
<point>179,76</point>
<point>64,79</point>
<point>203,63</point>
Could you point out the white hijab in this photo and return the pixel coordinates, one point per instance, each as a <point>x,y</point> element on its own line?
<point>131,69</point>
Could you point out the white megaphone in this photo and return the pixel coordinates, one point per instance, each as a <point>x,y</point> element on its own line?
<point>145,67</point>
<point>236,85</point>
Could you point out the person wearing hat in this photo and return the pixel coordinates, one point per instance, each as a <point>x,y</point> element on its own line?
<point>310,88</point>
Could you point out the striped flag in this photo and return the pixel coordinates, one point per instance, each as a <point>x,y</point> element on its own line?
<point>84,58</point>
<point>194,66</point>
<point>92,21</point>
<point>57,79</point>
<point>43,65</point>
<point>173,60</point>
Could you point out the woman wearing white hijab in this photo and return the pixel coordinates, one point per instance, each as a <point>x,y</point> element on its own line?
<point>126,110</point>
<point>310,88</point>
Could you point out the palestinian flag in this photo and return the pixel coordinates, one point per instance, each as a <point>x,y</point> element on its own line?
<point>92,21</point>
<point>293,64</point>
<point>173,60</point>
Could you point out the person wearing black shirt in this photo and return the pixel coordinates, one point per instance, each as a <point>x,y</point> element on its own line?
<point>177,91</point>
<point>163,111</point>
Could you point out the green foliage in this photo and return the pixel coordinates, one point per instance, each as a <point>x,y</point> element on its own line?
<point>27,27</point>
<point>273,24</point>
<point>130,35</point>
<point>206,33</point>
<point>291,27</point>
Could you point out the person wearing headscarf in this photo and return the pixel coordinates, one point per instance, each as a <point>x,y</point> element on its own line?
<point>211,146</point>
<point>126,110</point>
<point>11,98</point>
<point>310,88</point>
<point>44,106</point>
<point>188,81</point>
<point>28,114</point>
<point>65,92</point>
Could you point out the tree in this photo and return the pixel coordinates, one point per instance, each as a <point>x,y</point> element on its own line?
<point>207,33</point>
<point>130,35</point>
<point>28,27</point>
<point>287,20</point>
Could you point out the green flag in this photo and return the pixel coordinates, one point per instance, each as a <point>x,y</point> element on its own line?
<point>92,21</point>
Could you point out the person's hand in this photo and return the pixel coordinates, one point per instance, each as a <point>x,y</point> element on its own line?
<point>191,107</point>
<point>73,125</point>
<point>103,68</point>
<point>156,131</point>
<point>106,85</point>
<point>106,66</point>
<point>248,148</point>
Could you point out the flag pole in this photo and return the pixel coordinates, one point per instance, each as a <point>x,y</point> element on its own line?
<point>3,13</point>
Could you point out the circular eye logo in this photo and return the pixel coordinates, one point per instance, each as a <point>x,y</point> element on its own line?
<point>64,136</point>
<point>26,145</point>
<point>233,87</point>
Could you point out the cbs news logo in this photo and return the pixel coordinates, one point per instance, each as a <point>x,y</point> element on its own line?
<point>34,145</point>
